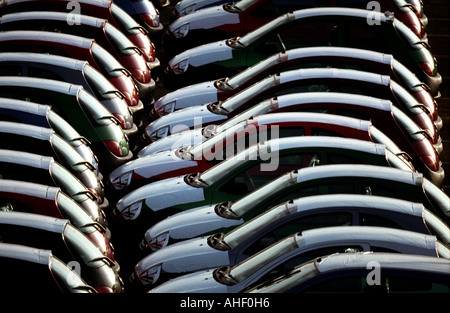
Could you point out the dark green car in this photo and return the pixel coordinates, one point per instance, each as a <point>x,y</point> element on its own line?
<point>80,109</point>
<point>340,27</point>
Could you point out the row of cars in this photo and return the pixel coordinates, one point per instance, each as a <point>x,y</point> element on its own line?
<point>271,139</point>
<point>75,82</point>
<point>235,180</point>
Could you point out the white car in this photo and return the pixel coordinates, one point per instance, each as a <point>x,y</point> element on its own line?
<point>225,276</point>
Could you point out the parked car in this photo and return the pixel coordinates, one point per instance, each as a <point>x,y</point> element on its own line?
<point>244,173</point>
<point>74,47</point>
<point>37,267</point>
<point>72,71</point>
<point>45,141</point>
<point>103,32</point>
<point>294,216</point>
<point>384,114</point>
<point>301,80</point>
<point>318,180</point>
<point>204,155</point>
<point>417,6</point>
<point>145,13</point>
<point>283,255</point>
<point>80,109</point>
<point>399,273</point>
<point>22,196</point>
<point>240,17</point>
<point>102,9</point>
<point>36,168</point>
<point>42,115</point>
<point>342,27</point>
<point>65,241</point>
<point>338,57</point>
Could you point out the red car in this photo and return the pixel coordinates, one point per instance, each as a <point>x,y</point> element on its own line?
<point>74,47</point>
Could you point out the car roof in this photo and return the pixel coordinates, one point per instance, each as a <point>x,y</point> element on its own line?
<point>26,158</point>
<point>24,106</point>
<point>20,252</point>
<point>386,260</point>
<point>341,234</point>
<point>354,200</point>
<point>28,130</point>
<point>22,35</point>
<point>336,11</point>
<point>333,97</point>
<point>43,58</point>
<point>329,51</point>
<point>40,83</point>
<point>279,144</point>
<point>50,15</point>
<point>359,170</point>
<point>32,220</point>
<point>331,119</point>
<point>30,189</point>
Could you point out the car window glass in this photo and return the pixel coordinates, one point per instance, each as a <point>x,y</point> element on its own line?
<point>367,219</point>
<point>109,66</point>
<point>14,47</point>
<point>127,24</point>
<point>120,42</point>
<point>363,36</point>
<point>323,132</point>
<point>306,256</point>
<point>415,284</point>
<point>10,70</point>
<point>25,173</point>
<point>308,34</point>
<point>101,87</point>
<point>43,73</point>
<point>352,283</point>
<point>355,114</point>
<point>299,225</point>
<point>49,50</point>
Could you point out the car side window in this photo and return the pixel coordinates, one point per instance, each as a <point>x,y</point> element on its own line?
<point>314,33</point>
<point>43,73</point>
<point>363,36</point>
<point>11,70</point>
<point>299,225</point>
<point>353,283</point>
<point>366,219</point>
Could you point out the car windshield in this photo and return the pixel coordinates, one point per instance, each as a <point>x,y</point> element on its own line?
<point>437,197</point>
<point>217,142</point>
<point>437,226</point>
<point>94,108</point>
<point>102,88</point>
<point>119,40</point>
<point>251,201</point>
<point>65,276</point>
<point>244,231</point>
<point>62,127</point>
<point>75,213</point>
<point>82,246</point>
<point>229,165</point>
<point>246,268</point>
<point>106,61</point>
<point>406,33</point>
<point>406,99</point>
<point>405,76</point>
<point>127,24</point>
<point>72,185</point>
<point>239,79</point>
<point>236,101</point>
<point>261,108</point>
<point>411,129</point>
<point>68,153</point>
<point>262,31</point>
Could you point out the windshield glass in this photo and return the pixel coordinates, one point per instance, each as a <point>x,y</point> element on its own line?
<point>406,99</point>
<point>127,24</point>
<point>106,61</point>
<point>94,109</point>
<point>238,79</point>
<point>245,230</point>
<point>437,196</point>
<point>261,108</point>
<point>229,165</point>
<point>68,153</point>
<point>71,184</point>
<point>265,29</point>
<point>61,126</point>
<point>405,76</point>
<point>247,267</point>
<point>406,33</point>
<point>410,129</point>
<point>119,40</point>
<point>236,101</point>
<point>251,200</point>
<point>216,141</point>
<point>102,88</point>
<point>82,246</point>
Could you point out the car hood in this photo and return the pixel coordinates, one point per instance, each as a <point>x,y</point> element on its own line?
<point>156,165</point>
<point>174,141</point>
<point>206,18</point>
<point>184,119</point>
<point>197,282</point>
<point>162,194</point>
<point>191,223</point>
<point>189,96</point>
<point>204,54</point>
<point>187,256</point>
